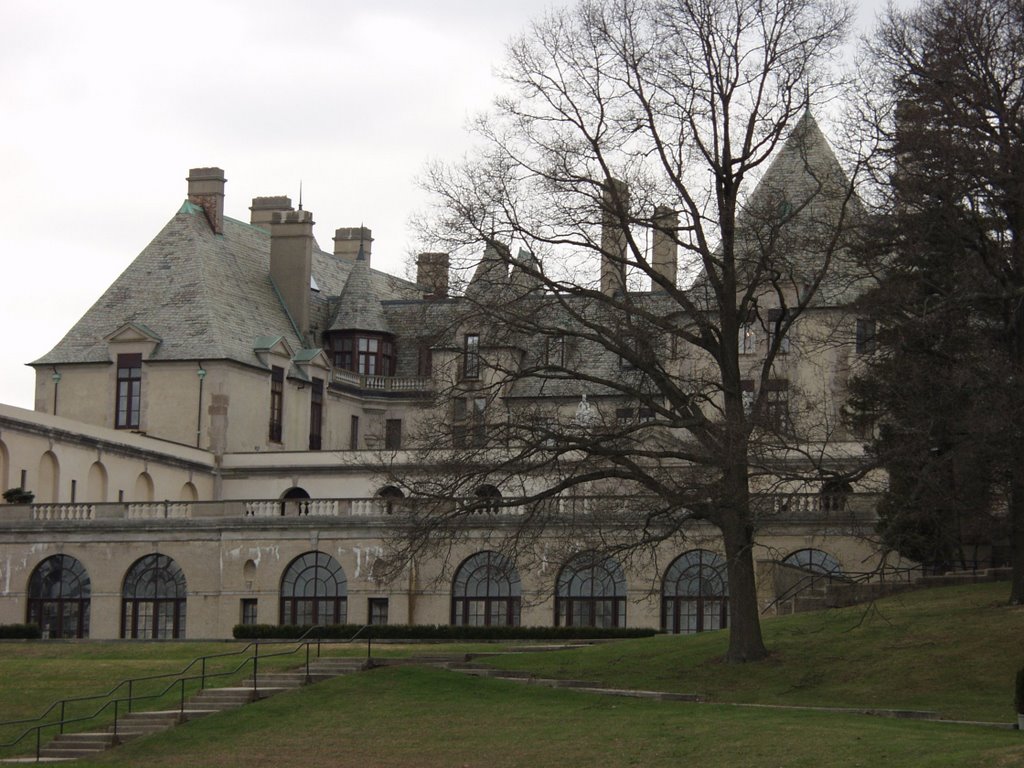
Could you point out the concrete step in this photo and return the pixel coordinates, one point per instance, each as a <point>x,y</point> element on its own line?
<point>281,679</point>
<point>160,717</point>
<point>72,745</point>
<point>337,665</point>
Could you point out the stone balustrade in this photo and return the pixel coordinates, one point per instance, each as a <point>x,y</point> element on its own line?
<point>409,384</point>
<point>782,507</point>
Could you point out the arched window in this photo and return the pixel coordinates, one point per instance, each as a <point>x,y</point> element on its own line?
<point>58,597</point>
<point>591,592</point>
<point>695,593</point>
<point>834,494</point>
<point>391,496</point>
<point>294,501</point>
<point>153,599</point>
<point>314,591</point>
<point>486,592</point>
<point>488,499</point>
<point>815,561</point>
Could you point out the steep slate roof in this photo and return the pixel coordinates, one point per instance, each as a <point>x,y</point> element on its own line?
<point>490,278</point>
<point>801,199</point>
<point>359,306</point>
<point>208,296</point>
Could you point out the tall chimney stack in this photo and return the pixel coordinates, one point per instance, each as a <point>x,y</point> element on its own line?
<point>614,212</point>
<point>665,258</point>
<point>262,210</point>
<point>291,263</point>
<point>206,189</point>
<point>432,275</point>
<point>347,241</point>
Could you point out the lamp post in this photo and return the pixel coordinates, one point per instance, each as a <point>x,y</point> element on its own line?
<point>201,373</point>
<point>56,383</point>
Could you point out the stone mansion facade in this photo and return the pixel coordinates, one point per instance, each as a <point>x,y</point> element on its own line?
<point>207,440</point>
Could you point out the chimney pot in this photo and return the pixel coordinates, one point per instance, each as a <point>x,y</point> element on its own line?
<point>614,211</point>
<point>347,241</point>
<point>432,275</point>
<point>664,257</point>
<point>261,212</point>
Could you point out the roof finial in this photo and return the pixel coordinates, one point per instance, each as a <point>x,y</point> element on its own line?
<point>300,194</point>
<point>361,256</point>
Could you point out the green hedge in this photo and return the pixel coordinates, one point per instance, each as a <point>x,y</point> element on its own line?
<point>20,632</point>
<point>434,632</point>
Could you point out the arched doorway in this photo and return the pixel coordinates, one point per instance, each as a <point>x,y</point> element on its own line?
<point>314,590</point>
<point>815,561</point>
<point>591,592</point>
<point>153,599</point>
<point>59,592</point>
<point>486,591</point>
<point>695,593</point>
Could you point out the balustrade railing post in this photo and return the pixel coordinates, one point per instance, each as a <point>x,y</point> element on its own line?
<point>202,679</point>
<point>39,741</point>
<point>307,661</point>
<point>116,703</point>
<point>62,702</point>
<point>130,696</point>
<point>255,668</point>
<point>181,706</point>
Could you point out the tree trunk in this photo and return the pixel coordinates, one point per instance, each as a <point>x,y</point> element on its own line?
<point>745,641</point>
<point>1017,525</point>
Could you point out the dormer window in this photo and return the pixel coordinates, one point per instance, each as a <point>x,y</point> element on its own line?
<point>129,391</point>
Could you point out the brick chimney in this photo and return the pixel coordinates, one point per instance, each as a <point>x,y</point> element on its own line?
<point>432,275</point>
<point>348,239</point>
<point>614,209</point>
<point>262,210</point>
<point>206,189</point>
<point>291,263</point>
<point>665,261</point>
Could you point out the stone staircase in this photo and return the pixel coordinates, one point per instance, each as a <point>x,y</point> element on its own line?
<point>68,746</point>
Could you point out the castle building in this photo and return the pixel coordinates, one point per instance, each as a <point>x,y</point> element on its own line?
<point>211,441</point>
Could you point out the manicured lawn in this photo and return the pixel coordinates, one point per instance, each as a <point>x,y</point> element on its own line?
<point>428,717</point>
<point>952,650</point>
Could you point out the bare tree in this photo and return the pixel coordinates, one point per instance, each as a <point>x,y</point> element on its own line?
<point>622,367</point>
<point>948,104</point>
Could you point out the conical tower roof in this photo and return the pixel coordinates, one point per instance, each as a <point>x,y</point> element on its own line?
<point>359,307</point>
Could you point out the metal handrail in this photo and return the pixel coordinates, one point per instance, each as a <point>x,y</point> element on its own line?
<point>847,577</point>
<point>180,679</point>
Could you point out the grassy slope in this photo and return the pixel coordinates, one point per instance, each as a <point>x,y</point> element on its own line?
<point>428,718</point>
<point>953,650</point>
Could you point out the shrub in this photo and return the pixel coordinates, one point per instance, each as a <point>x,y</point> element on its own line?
<point>434,632</point>
<point>18,496</point>
<point>20,632</point>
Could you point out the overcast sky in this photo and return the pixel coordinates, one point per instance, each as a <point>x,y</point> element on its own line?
<point>105,105</point>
